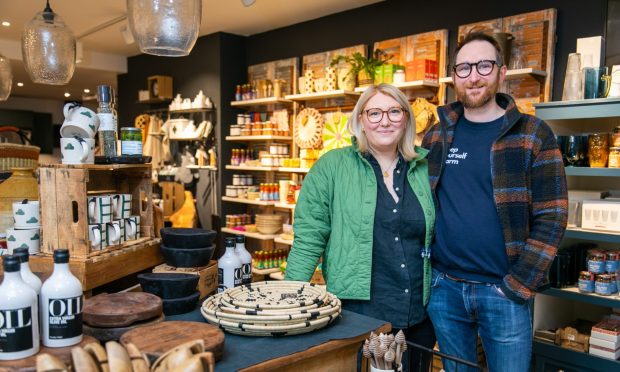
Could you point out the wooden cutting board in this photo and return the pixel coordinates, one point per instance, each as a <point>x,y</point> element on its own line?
<point>121,309</point>
<point>30,363</point>
<point>105,334</point>
<point>156,339</point>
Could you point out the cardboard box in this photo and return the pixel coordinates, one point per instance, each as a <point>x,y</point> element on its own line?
<point>600,215</point>
<point>421,69</point>
<point>605,353</point>
<point>604,343</point>
<point>388,73</point>
<point>378,75</point>
<point>608,330</point>
<point>208,275</point>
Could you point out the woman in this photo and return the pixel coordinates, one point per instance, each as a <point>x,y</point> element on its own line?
<point>368,210</point>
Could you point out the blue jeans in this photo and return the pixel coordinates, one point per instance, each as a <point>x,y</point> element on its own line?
<point>462,311</point>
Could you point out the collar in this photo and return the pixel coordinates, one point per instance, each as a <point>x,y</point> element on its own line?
<point>451,113</point>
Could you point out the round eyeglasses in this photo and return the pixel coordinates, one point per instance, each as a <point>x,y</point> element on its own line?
<point>394,114</point>
<point>483,67</point>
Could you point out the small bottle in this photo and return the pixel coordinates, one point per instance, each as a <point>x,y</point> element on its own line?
<point>238,96</point>
<point>229,268</point>
<point>61,304</point>
<point>27,275</point>
<point>107,121</point>
<point>19,323</point>
<point>245,258</point>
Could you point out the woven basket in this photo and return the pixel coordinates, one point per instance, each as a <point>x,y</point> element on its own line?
<point>18,156</point>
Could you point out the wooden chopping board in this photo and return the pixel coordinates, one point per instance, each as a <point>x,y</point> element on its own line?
<point>121,309</point>
<point>105,334</point>
<point>156,339</point>
<point>30,363</point>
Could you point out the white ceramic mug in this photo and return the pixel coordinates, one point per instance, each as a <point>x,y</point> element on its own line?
<point>79,122</point>
<point>135,221</point>
<point>121,226</point>
<point>121,205</point>
<point>27,238</point>
<point>99,209</point>
<point>130,229</point>
<point>112,233</point>
<point>77,150</point>
<point>94,235</point>
<point>26,214</point>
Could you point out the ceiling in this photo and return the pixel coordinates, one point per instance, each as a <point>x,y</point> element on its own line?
<point>105,51</point>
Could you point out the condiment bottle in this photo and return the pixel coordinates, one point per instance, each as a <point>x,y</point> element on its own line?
<point>107,121</point>
<point>229,268</point>
<point>245,258</point>
<point>19,323</point>
<point>61,304</point>
<point>27,275</point>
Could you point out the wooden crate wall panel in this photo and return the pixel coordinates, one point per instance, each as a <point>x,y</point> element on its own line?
<point>285,69</point>
<point>47,197</point>
<point>72,224</point>
<point>318,61</point>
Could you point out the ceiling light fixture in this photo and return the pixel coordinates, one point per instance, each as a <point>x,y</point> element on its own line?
<point>6,23</point>
<point>247,3</point>
<point>6,78</point>
<point>67,94</point>
<point>20,84</point>
<point>86,90</point>
<point>48,49</point>
<point>164,27</point>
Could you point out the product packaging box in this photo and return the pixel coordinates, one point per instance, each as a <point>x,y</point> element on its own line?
<point>604,352</point>
<point>421,69</point>
<point>388,73</point>
<point>608,330</point>
<point>208,275</point>
<point>600,215</point>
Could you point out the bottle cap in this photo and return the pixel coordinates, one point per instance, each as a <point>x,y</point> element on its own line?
<point>240,239</point>
<point>61,256</point>
<point>10,264</point>
<point>230,242</point>
<point>22,254</point>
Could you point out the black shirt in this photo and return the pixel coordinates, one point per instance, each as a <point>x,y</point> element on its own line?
<point>397,265</point>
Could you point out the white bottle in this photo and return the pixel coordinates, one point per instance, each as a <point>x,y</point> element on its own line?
<point>19,323</point>
<point>245,258</point>
<point>229,268</point>
<point>27,275</point>
<point>61,304</point>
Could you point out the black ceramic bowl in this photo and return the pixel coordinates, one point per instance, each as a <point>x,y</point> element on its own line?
<point>168,285</point>
<point>180,305</point>
<point>187,238</point>
<point>187,257</point>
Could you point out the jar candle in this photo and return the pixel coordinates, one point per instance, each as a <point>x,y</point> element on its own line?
<point>603,285</point>
<point>612,261</point>
<point>598,149</point>
<point>586,282</point>
<point>131,141</point>
<point>596,261</point>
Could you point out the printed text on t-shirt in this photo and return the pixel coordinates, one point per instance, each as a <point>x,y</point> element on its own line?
<point>454,156</point>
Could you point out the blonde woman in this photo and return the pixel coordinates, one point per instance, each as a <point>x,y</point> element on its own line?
<point>368,210</point>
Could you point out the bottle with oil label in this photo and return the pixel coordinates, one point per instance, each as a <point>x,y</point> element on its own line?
<point>61,304</point>
<point>27,275</point>
<point>229,268</point>
<point>245,258</point>
<point>19,323</point>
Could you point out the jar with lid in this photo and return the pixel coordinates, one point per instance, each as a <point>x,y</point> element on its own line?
<point>131,141</point>
<point>586,282</point>
<point>614,157</point>
<point>603,285</point>
<point>236,180</point>
<point>399,76</point>
<point>596,261</point>
<point>612,261</point>
<point>615,137</point>
<point>231,191</point>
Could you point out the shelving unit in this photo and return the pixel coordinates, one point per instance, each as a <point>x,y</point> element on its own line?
<point>253,235</point>
<point>339,93</point>
<point>293,170</point>
<point>248,201</point>
<point>257,169</point>
<point>428,86</point>
<point>555,307</point>
<point>258,138</point>
<point>284,205</point>
<point>261,102</point>
<point>283,241</point>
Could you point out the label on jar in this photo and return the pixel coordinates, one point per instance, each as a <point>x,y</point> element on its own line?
<point>65,317</point>
<point>106,121</point>
<point>596,267</point>
<point>586,285</point>
<point>16,330</point>
<point>612,266</point>
<point>605,289</point>
<point>131,148</point>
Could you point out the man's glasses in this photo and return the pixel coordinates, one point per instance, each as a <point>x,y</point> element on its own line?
<point>484,68</point>
<point>375,115</point>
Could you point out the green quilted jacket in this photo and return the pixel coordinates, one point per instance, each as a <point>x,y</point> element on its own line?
<point>334,217</point>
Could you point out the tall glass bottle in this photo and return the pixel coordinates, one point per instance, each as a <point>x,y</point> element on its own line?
<point>107,121</point>
<point>61,304</point>
<point>229,268</point>
<point>245,258</point>
<point>27,275</point>
<point>19,323</point>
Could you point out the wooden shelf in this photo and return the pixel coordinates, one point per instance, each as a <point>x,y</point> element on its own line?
<point>340,93</point>
<point>191,110</point>
<point>577,360</point>
<point>416,85</point>
<point>264,271</point>
<point>155,100</point>
<point>581,109</point>
<point>285,206</point>
<point>277,275</point>
<point>592,172</point>
<point>255,235</point>
<point>202,167</point>
<point>244,168</point>
<point>248,201</point>
<point>510,75</point>
<point>258,138</point>
<point>294,170</point>
<point>597,236</point>
<point>573,294</point>
<point>261,102</point>
<point>283,241</point>
<point>146,166</point>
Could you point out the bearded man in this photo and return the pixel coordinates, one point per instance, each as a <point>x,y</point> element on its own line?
<point>500,192</point>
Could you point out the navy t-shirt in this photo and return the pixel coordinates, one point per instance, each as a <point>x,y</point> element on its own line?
<point>469,243</point>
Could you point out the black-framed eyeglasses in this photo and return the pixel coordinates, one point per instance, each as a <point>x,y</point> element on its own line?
<point>375,115</point>
<point>483,67</point>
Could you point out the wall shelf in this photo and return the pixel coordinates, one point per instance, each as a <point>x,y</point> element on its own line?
<point>285,206</point>
<point>575,359</point>
<point>258,169</point>
<point>202,167</point>
<point>248,201</point>
<point>597,236</point>
<point>261,102</point>
<point>192,110</point>
<point>252,235</point>
<point>283,241</point>
<point>573,294</point>
<point>582,109</point>
<point>258,138</point>
<point>340,93</point>
<point>592,172</point>
<point>294,170</point>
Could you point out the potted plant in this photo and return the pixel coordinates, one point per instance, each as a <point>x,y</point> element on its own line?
<point>362,67</point>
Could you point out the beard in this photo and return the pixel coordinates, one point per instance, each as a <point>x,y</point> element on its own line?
<point>477,102</point>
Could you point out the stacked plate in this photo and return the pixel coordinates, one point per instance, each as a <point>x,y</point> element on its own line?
<point>276,308</point>
<point>268,223</point>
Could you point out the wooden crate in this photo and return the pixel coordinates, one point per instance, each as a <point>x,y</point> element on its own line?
<point>64,189</point>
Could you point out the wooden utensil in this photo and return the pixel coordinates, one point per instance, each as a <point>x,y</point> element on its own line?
<point>121,309</point>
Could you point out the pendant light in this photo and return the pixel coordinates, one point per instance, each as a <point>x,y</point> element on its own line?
<point>48,49</point>
<point>165,27</point>
<point>6,78</point>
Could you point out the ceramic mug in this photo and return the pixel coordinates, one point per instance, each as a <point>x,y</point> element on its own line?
<point>130,229</point>
<point>27,238</point>
<point>112,233</point>
<point>94,236</point>
<point>99,209</point>
<point>121,226</point>
<point>77,150</point>
<point>79,122</point>
<point>26,214</point>
<point>121,205</point>
<point>135,221</point>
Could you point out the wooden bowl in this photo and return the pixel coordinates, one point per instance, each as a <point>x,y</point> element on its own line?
<point>168,285</point>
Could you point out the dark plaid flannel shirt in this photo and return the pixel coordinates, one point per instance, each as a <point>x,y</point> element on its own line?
<point>529,188</point>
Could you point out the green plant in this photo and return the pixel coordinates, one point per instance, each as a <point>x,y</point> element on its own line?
<point>358,62</point>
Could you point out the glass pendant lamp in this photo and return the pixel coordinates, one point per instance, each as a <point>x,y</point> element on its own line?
<point>48,49</point>
<point>165,27</point>
<point>6,78</point>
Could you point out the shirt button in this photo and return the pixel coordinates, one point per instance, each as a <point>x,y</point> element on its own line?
<point>402,265</point>
<point>397,189</point>
<point>396,238</point>
<point>406,291</point>
<point>394,210</point>
<point>398,171</point>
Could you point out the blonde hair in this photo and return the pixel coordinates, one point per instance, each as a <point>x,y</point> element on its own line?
<point>406,145</point>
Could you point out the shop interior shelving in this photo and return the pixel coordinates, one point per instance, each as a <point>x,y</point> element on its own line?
<point>339,93</point>
<point>510,75</point>
<point>251,103</point>
<point>428,86</point>
<point>283,241</point>
<point>258,138</point>
<point>253,235</point>
<point>248,168</point>
<point>249,201</point>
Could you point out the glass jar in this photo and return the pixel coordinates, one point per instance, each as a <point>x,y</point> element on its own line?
<point>612,261</point>
<point>399,76</point>
<point>131,141</point>
<point>603,285</point>
<point>596,261</point>
<point>614,157</point>
<point>615,137</point>
<point>586,282</point>
<point>598,149</point>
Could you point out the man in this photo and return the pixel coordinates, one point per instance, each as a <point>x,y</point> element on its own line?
<point>500,191</point>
